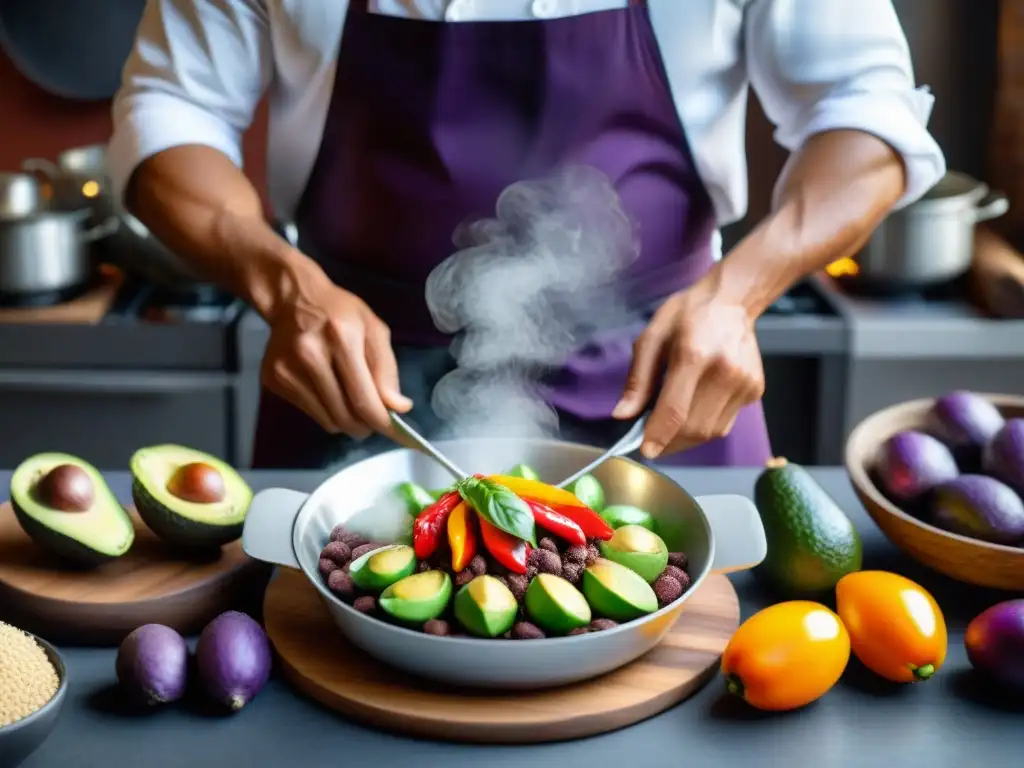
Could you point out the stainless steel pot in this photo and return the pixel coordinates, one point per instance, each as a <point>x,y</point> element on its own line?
<point>930,241</point>
<point>288,528</point>
<point>78,179</point>
<point>46,253</point>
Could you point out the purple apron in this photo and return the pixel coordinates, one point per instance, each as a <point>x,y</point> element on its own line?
<point>429,122</point>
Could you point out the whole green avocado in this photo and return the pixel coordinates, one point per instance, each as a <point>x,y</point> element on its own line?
<point>811,542</point>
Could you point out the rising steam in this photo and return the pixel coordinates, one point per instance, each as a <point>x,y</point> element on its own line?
<point>524,290</point>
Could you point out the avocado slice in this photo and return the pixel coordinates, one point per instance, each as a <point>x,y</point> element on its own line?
<point>65,506</point>
<point>811,542</point>
<point>618,515</point>
<point>486,607</point>
<point>415,497</point>
<point>637,548</point>
<point>588,490</point>
<point>382,567</point>
<point>418,598</point>
<point>524,471</point>
<point>616,592</point>
<point>556,605</point>
<point>187,497</point>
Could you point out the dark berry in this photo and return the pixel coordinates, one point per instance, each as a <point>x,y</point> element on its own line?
<point>592,554</point>
<point>353,540</point>
<point>678,559</point>
<point>547,562</point>
<point>463,577</point>
<point>517,585</point>
<point>341,584</point>
<point>437,627</point>
<point>362,549</point>
<point>676,573</point>
<point>531,573</point>
<point>576,554</point>
<point>579,631</point>
<point>598,624</point>
<point>524,630</point>
<point>338,551</point>
<point>478,565</point>
<point>423,566</point>
<point>365,604</point>
<point>548,544</point>
<point>327,567</point>
<point>667,589</point>
<point>573,573</point>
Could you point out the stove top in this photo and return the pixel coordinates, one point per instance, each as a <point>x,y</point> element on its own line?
<point>147,303</point>
<point>802,299</point>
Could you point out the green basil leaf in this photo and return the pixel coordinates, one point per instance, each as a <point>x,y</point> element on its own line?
<point>500,507</point>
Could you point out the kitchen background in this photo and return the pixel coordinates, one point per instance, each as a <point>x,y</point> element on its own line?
<point>140,361</point>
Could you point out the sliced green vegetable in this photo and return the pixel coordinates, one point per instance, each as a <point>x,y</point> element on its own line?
<point>524,471</point>
<point>589,491</point>
<point>416,497</point>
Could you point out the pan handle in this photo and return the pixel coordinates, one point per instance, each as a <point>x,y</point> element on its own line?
<point>736,528</point>
<point>42,167</point>
<point>267,534</point>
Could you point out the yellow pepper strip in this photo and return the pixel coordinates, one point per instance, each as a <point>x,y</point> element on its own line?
<point>461,536</point>
<point>535,490</point>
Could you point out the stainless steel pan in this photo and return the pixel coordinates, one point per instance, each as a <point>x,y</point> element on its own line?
<point>288,528</point>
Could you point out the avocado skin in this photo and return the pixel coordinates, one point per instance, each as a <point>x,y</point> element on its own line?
<point>64,547</point>
<point>811,542</point>
<point>175,529</point>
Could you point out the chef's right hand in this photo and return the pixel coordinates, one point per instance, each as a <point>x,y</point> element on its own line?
<point>330,356</point>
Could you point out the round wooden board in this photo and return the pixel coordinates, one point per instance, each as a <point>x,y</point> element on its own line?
<point>318,660</point>
<point>150,584</point>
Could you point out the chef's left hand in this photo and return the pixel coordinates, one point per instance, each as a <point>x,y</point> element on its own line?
<point>712,364</point>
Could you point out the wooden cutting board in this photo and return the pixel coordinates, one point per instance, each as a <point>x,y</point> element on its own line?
<point>151,583</point>
<point>87,309</point>
<point>317,659</point>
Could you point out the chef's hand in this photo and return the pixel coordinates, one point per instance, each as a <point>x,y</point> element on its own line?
<point>712,369</point>
<point>330,356</point>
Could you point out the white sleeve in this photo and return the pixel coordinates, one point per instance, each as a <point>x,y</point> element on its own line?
<point>195,75</point>
<point>842,64</point>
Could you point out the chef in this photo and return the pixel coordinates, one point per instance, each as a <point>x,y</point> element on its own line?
<point>392,121</point>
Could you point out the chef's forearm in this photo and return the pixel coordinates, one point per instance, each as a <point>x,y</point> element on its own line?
<point>836,191</point>
<point>202,206</point>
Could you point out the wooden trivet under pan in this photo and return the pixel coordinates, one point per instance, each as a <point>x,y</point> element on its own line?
<point>321,663</point>
<point>151,583</point>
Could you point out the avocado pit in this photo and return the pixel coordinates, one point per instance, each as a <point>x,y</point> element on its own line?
<point>67,488</point>
<point>197,482</point>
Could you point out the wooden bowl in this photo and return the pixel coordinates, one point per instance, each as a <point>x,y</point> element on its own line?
<point>959,557</point>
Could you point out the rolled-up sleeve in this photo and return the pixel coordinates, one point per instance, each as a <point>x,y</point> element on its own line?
<point>842,64</point>
<point>195,75</point>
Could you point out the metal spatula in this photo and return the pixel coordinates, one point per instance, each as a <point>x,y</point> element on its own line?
<point>425,446</point>
<point>625,445</point>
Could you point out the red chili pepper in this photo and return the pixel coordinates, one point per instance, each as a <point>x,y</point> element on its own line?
<point>429,526</point>
<point>589,521</point>
<point>557,523</point>
<point>506,548</point>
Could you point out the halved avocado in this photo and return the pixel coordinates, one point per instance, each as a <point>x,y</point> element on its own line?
<point>616,592</point>
<point>379,568</point>
<point>418,598</point>
<point>639,549</point>
<point>65,506</point>
<point>556,605</point>
<point>187,497</point>
<point>486,607</point>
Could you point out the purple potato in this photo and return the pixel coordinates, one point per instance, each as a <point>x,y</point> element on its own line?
<point>965,422</point>
<point>913,463</point>
<point>152,664</point>
<point>980,507</point>
<point>1004,455</point>
<point>995,644</point>
<point>233,659</point>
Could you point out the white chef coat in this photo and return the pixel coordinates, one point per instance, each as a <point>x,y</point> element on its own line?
<point>199,68</point>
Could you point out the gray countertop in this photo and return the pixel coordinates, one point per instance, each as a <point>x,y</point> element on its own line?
<point>948,721</point>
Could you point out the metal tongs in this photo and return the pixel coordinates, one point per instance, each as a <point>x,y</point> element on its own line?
<point>624,446</point>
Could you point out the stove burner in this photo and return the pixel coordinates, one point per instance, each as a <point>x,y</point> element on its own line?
<point>892,290</point>
<point>157,304</point>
